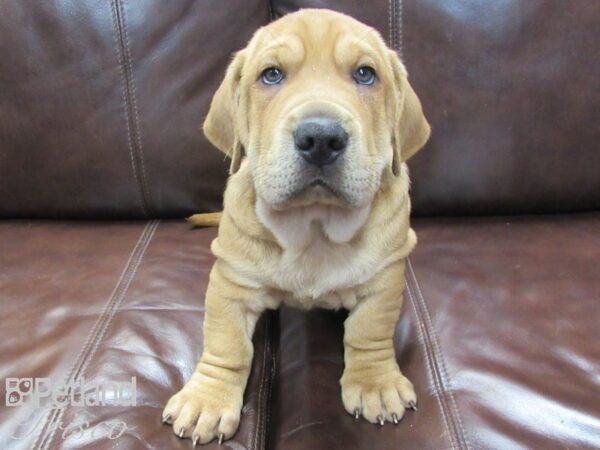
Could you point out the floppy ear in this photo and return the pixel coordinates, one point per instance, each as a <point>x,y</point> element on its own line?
<point>411,130</point>
<point>222,124</point>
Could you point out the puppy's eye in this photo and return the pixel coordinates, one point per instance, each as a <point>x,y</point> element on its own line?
<point>272,75</point>
<point>365,75</point>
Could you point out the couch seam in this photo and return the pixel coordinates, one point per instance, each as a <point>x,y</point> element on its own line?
<point>429,363</point>
<point>259,421</point>
<point>273,372</point>
<point>138,133</point>
<point>93,330</point>
<point>128,96</point>
<point>271,11</point>
<point>100,327</point>
<point>395,24</point>
<point>399,30</point>
<point>119,294</point>
<point>441,366</point>
<point>390,24</point>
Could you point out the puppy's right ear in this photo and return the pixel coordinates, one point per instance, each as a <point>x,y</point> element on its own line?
<point>222,124</point>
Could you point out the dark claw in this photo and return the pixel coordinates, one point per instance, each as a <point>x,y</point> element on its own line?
<point>395,418</point>
<point>412,405</point>
<point>195,440</point>
<point>221,438</point>
<point>381,420</point>
<point>356,414</point>
<point>166,418</point>
<point>181,432</point>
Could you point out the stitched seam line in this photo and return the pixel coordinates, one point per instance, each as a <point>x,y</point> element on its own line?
<point>394,24</point>
<point>429,362</point>
<point>263,408</point>
<point>119,293</point>
<point>390,12</point>
<point>260,388</point>
<point>262,382</point>
<point>440,365</point>
<point>134,106</point>
<point>395,36</point>
<point>274,325</point>
<point>395,16</point>
<point>399,30</point>
<point>128,96</point>
<point>90,337</point>
<point>102,324</point>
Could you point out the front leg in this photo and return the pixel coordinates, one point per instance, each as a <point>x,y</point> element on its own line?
<point>372,383</point>
<point>209,404</point>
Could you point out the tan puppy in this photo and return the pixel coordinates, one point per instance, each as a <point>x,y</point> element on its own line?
<point>318,118</point>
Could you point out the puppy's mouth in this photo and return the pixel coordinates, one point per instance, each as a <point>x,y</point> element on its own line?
<point>320,183</point>
<point>317,190</point>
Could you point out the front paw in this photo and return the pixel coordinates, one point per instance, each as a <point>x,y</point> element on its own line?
<point>380,394</point>
<point>205,409</point>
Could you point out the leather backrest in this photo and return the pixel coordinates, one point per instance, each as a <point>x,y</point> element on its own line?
<point>512,93</point>
<point>101,102</point>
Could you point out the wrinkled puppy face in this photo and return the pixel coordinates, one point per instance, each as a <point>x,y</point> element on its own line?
<point>320,108</point>
<point>318,123</point>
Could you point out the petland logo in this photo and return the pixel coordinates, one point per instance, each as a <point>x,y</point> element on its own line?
<point>43,392</point>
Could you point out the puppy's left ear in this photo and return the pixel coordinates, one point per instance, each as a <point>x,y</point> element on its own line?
<point>411,129</point>
<point>223,124</point>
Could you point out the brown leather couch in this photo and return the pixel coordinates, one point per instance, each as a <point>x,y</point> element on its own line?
<point>101,156</point>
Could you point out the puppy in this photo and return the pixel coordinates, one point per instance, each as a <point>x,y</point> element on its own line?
<point>318,118</point>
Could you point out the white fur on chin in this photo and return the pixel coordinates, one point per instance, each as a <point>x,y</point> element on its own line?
<point>295,228</point>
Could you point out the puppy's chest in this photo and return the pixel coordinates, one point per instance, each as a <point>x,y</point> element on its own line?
<point>320,274</point>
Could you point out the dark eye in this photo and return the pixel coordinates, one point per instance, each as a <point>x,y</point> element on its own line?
<point>365,75</point>
<point>272,75</point>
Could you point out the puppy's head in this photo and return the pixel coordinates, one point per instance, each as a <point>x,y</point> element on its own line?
<point>320,107</point>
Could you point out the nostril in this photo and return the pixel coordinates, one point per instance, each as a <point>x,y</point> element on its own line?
<point>336,144</point>
<point>305,142</point>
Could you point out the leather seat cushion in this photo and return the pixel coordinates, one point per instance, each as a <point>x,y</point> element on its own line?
<point>107,302</point>
<point>499,334</point>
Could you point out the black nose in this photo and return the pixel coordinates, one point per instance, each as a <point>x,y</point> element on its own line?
<point>320,140</point>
